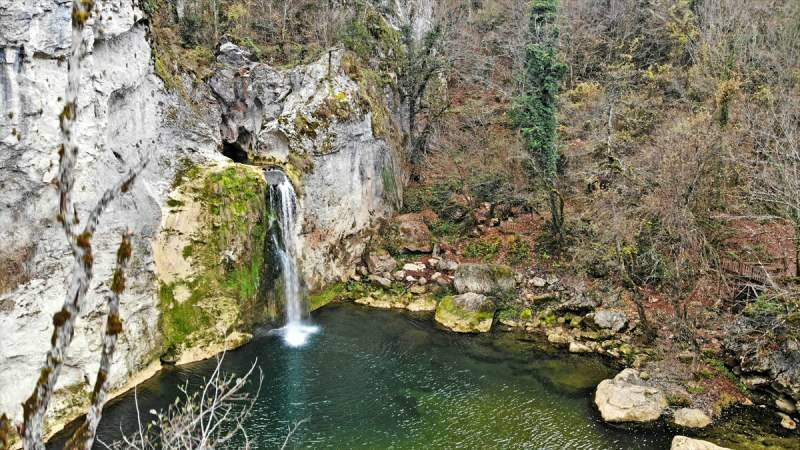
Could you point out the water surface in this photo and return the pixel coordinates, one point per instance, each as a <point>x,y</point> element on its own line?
<point>375,379</point>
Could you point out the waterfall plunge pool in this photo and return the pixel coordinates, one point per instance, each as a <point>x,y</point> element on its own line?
<point>375,379</point>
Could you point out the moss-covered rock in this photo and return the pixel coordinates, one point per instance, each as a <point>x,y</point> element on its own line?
<point>484,278</point>
<point>210,257</point>
<point>466,313</point>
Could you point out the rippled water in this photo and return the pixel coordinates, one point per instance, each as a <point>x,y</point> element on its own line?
<point>377,379</point>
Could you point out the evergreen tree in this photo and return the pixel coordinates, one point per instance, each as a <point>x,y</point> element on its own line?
<point>534,111</point>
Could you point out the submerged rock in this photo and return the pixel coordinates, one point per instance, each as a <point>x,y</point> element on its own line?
<point>483,278</point>
<point>686,443</point>
<point>466,313</point>
<point>691,418</point>
<point>625,399</point>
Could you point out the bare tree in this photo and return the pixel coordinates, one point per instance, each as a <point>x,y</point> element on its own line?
<point>776,163</point>
<point>206,419</point>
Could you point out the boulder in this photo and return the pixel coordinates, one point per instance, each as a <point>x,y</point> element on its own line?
<point>466,313</point>
<point>787,422</point>
<point>538,282</point>
<point>447,265</point>
<point>610,320</point>
<point>557,336</point>
<point>577,303</point>
<point>412,232</point>
<point>377,279</point>
<point>691,418</point>
<point>417,289</point>
<point>579,347</point>
<point>686,443</point>
<point>375,303</point>
<point>483,278</point>
<point>626,399</point>
<point>785,405</point>
<point>413,267</point>
<point>380,262</point>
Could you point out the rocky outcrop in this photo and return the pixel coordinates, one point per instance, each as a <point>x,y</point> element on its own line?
<point>626,398</point>
<point>483,278</point>
<point>124,115</point>
<point>326,126</point>
<point>691,418</point>
<point>411,233</point>
<point>211,256</point>
<point>771,368</point>
<point>333,135</point>
<point>686,443</point>
<point>466,313</point>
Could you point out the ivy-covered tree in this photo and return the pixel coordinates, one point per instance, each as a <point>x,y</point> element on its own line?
<point>534,111</point>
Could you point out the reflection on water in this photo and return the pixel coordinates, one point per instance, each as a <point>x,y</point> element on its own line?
<point>381,379</point>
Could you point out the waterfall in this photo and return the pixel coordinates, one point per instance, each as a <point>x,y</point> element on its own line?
<point>283,202</point>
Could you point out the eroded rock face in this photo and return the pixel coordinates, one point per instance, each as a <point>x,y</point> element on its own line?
<point>687,443</point>
<point>772,371</point>
<point>466,313</point>
<point>380,262</point>
<point>483,278</point>
<point>625,398</point>
<point>124,115</point>
<point>340,150</point>
<point>310,120</point>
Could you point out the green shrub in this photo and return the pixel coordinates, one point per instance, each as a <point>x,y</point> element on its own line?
<point>518,251</point>
<point>483,248</point>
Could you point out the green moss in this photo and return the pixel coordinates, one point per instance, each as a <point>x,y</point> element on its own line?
<point>447,304</point>
<point>336,291</point>
<point>233,219</point>
<point>187,171</point>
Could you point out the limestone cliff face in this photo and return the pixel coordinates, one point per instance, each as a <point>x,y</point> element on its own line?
<point>124,115</point>
<point>326,124</point>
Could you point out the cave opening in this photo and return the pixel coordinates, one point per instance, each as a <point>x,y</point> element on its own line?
<point>234,151</point>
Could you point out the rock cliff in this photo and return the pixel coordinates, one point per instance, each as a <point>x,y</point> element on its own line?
<point>326,124</point>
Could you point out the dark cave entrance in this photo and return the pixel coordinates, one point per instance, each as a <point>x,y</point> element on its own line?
<point>234,151</point>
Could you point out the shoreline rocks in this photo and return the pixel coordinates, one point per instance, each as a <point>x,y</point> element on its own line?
<point>691,418</point>
<point>625,398</point>
<point>483,278</point>
<point>687,443</point>
<point>466,313</point>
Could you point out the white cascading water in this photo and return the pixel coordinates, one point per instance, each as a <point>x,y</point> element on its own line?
<point>284,237</point>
